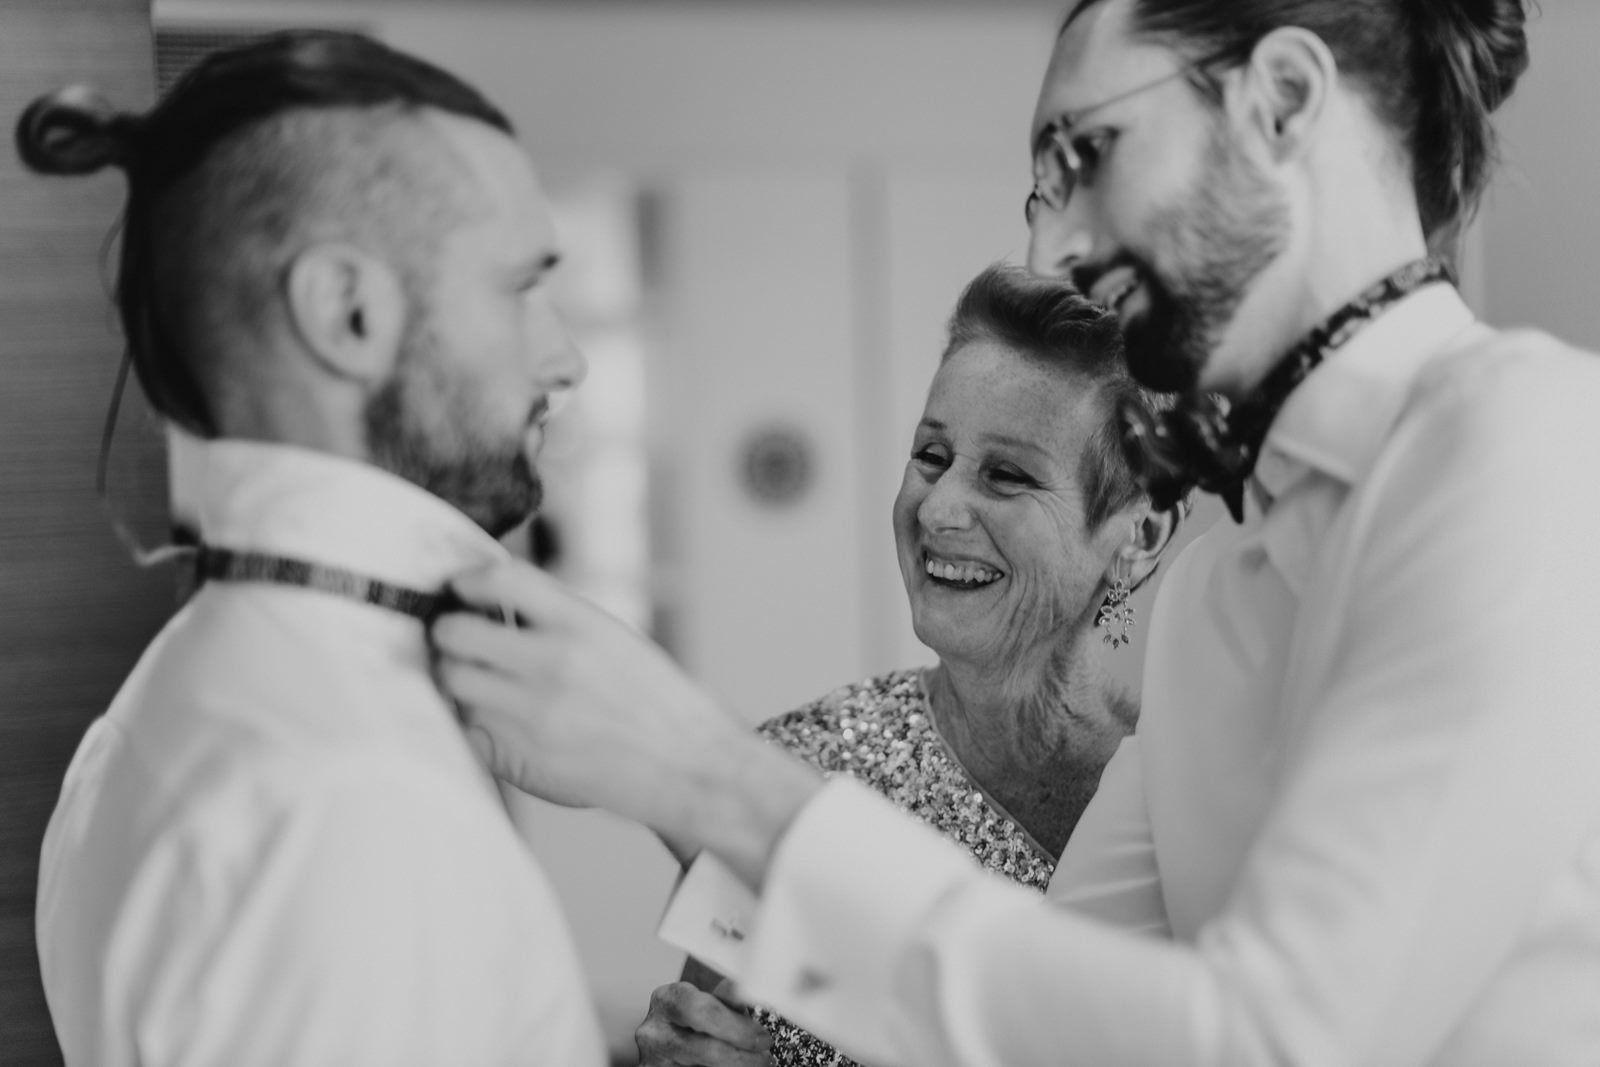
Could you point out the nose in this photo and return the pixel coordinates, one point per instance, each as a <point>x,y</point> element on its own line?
<point>565,367</point>
<point>558,362</point>
<point>1058,240</point>
<point>947,505</point>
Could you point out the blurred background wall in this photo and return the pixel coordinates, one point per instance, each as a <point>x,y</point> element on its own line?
<point>74,612</point>
<point>769,206</point>
<point>1541,247</point>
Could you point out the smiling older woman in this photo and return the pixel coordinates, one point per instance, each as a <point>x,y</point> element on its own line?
<point>1017,524</point>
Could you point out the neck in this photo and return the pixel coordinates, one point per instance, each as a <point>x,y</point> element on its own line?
<point>1364,235</point>
<point>319,414</point>
<point>1034,740</point>
<point>323,510</point>
<point>1015,723</point>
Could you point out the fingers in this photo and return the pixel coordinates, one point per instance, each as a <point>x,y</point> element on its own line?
<point>505,742</point>
<point>472,639</point>
<point>480,698</point>
<point>538,598</point>
<point>706,1017</point>
<point>728,993</point>
<point>479,689</point>
<point>662,1044</point>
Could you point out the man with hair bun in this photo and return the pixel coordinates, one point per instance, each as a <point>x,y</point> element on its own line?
<point>276,847</point>
<point>1362,798</point>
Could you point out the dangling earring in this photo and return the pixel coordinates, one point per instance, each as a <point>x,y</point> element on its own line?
<point>1116,613</point>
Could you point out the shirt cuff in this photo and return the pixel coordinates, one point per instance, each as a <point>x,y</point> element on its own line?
<point>850,883</point>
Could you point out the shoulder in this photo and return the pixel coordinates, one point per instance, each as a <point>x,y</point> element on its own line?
<point>1482,501</point>
<point>304,836</point>
<point>1507,421</point>
<point>879,700</point>
<point>354,812</point>
<point>1188,568</point>
<point>1508,386</point>
<point>389,857</point>
<point>394,893</point>
<point>234,696</point>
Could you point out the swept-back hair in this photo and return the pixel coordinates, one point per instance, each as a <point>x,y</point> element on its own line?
<point>225,96</point>
<point>1051,322</point>
<point>1433,71</point>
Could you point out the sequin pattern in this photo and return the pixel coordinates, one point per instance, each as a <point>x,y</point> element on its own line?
<point>881,732</point>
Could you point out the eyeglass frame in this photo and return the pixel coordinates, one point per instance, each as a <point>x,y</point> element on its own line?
<point>1057,133</point>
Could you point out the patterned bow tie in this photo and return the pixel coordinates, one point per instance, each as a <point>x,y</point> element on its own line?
<point>1207,443</point>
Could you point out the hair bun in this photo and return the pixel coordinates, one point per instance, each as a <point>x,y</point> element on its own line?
<point>75,131</point>
<point>1491,33</point>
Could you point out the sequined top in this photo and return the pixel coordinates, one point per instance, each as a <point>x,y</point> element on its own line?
<point>881,732</point>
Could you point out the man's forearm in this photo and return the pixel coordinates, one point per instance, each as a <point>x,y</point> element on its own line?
<point>741,800</point>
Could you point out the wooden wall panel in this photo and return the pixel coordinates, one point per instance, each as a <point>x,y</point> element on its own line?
<point>74,611</point>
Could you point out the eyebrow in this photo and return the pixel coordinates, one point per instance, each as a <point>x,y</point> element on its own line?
<point>1016,443</point>
<point>1066,123</point>
<point>1066,120</point>
<point>996,439</point>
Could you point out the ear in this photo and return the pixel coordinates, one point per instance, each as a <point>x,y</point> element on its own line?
<point>348,309</point>
<point>1284,90</point>
<point>1152,532</point>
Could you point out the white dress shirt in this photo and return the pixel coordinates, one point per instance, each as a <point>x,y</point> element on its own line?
<point>1362,809</point>
<point>276,848</point>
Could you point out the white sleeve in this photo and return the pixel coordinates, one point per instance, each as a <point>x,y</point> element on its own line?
<point>1439,783</point>
<point>1108,871</point>
<point>385,923</point>
<point>883,937</point>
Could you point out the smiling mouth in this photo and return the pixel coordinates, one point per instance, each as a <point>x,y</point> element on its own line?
<point>1113,297</point>
<point>1111,288</point>
<point>1118,296</point>
<point>959,574</point>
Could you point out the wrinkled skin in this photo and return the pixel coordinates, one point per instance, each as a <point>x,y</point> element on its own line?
<point>687,1027</point>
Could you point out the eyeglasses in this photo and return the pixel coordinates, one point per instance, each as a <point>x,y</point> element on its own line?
<point>1061,161</point>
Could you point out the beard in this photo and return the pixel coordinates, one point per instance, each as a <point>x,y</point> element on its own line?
<point>427,425</point>
<point>1216,241</point>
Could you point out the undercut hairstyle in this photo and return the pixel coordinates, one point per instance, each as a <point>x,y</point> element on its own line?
<point>1433,71</point>
<point>290,138</point>
<point>1050,322</point>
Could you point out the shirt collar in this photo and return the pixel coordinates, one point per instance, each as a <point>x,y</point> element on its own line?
<point>288,501</point>
<point>1339,417</point>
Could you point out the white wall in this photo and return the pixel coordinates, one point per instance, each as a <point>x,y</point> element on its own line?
<point>1542,225</point>
<point>683,85</point>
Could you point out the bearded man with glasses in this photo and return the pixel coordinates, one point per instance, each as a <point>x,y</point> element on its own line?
<point>1361,803</point>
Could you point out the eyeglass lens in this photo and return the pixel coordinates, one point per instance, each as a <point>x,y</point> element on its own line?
<point>1055,174</point>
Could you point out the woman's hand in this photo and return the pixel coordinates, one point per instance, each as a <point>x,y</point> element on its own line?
<point>690,1028</point>
<point>576,707</point>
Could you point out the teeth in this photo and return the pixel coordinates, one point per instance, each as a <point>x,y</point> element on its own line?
<point>1119,294</point>
<point>966,573</point>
